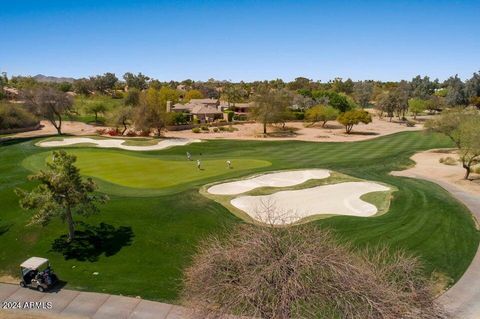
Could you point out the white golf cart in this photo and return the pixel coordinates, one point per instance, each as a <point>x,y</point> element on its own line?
<point>36,273</point>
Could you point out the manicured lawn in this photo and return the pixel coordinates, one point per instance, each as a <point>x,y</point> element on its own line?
<point>149,233</point>
<point>130,170</point>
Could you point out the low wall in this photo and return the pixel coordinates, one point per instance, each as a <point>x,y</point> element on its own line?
<point>21,129</point>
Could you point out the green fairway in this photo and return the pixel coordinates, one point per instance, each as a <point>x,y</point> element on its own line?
<point>156,215</point>
<point>145,171</point>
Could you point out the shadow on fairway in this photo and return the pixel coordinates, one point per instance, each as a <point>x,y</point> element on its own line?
<point>4,229</point>
<point>363,133</point>
<point>92,241</point>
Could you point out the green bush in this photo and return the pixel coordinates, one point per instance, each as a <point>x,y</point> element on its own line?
<point>228,128</point>
<point>240,117</point>
<point>230,115</point>
<point>195,130</point>
<point>215,129</point>
<point>204,128</point>
<point>300,116</point>
<point>14,116</point>
<point>175,118</point>
<point>354,117</point>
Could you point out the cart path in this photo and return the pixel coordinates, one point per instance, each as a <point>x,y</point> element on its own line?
<point>82,305</point>
<point>462,300</point>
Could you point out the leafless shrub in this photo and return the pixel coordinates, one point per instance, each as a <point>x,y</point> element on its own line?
<point>303,272</point>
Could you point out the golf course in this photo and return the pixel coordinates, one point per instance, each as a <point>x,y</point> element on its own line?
<point>145,235</point>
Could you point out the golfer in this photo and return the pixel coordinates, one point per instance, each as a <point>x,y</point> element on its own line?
<point>189,156</point>
<point>229,164</point>
<point>199,164</point>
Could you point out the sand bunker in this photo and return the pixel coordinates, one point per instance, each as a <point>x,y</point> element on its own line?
<point>118,143</point>
<point>338,199</point>
<point>280,179</point>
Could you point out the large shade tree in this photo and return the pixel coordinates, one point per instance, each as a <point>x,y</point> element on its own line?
<point>472,88</point>
<point>61,193</point>
<point>271,106</point>
<point>363,92</point>
<point>138,81</point>
<point>456,95</point>
<point>104,83</point>
<point>50,104</point>
<point>423,88</point>
<point>152,111</point>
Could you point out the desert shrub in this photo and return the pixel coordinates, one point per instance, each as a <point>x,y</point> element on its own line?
<point>240,117</point>
<point>101,131</point>
<point>300,116</point>
<point>131,133</point>
<point>215,129</point>
<point>230,115</point>
<point>410,123</point>
<point>113,132</point>
<point>304,272</point>
<point>476,169</point>
<point>144,133</point>
<point>227,129</point>
<point>195,130</point>
<point>448,160</point>
<point>15,116</point>
<point>231,129</point>
<point>175,118</point>
<point>118,95</point>
<point>204,128</point>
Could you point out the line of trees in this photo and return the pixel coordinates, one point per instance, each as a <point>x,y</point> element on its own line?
<point>142,100</point>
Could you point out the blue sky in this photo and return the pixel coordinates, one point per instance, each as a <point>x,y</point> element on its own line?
<point>242,40</point>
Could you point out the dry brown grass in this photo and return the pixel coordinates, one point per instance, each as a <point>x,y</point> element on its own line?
<point>304,272</point>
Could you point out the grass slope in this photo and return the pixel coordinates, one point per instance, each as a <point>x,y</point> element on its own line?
<point>153,232</point>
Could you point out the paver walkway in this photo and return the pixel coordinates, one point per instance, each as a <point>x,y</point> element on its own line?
<point>82,305</point>
<point>463,299</point>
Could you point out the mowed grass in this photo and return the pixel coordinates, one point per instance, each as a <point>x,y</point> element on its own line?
<point>165,225</point>
<point>145,172</point>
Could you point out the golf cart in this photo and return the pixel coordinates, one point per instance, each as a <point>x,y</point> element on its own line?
<point>37,274</point>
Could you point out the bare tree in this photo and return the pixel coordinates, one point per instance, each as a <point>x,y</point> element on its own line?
<point>49,103</point>
<point>303,272</point>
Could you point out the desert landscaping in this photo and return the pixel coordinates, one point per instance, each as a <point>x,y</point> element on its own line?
<point>253,159</point>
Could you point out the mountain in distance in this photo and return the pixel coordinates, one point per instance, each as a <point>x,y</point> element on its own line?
<point>52,79</point>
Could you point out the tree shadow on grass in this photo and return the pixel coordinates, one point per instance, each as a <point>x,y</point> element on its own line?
<point>92,241</point>
<point>4,229</point>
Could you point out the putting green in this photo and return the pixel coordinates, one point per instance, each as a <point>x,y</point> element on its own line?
<point>145,172</point>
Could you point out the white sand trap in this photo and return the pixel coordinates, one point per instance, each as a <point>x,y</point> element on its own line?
<point>280,179</point>
<point>338,199</point>
<point>118,143</point>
